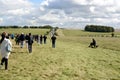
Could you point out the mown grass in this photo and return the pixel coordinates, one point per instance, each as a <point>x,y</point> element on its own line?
<point>82,33</point>
<point>70,60</point>
<point>106,42</point>
<point>25,31</point>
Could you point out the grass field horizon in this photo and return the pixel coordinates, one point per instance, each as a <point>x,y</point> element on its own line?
<point>72,59</point>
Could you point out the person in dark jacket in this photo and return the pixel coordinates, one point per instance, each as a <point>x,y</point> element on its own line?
<point>30,42</point>
<point>41,39</point>
<point>53,38</point>
<point>26,38</point>
<point>22,38</point>
<point>44,37</point>
<point>17,40</point>
<point>93,43</point>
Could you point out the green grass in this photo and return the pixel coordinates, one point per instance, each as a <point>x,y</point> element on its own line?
<point>104,42</point>
<point>78,32</point>
<point>25,31</point>
<point>70,60</point>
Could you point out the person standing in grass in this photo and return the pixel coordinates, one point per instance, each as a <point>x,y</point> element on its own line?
<point>53,38</point>
<point>30,42</point>
<point>44,37</point>
<point>22,38</point>
<point>26,40</point>
<point>17,40</point>
<point>41,39</point>
<point>38,39</point>
<point>5,52</point>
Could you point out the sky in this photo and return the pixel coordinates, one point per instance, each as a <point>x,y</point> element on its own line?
<point>60,13</point>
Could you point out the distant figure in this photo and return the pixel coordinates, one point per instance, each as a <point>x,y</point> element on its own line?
<point>6,47</point>
<point>26,39</point>
<point>53,38</point>
<point>17,40</point>
<point>41,39</point>
<point>30,42</point>
<point>38,39</point>
<point>112,34</point>
<point>44,37</point>
<point>12,36</point>
<point>93,44</point>
<point>22,38</point>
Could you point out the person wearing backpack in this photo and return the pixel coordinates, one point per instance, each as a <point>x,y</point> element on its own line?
<point>30,42</point>
<point>5,49</point>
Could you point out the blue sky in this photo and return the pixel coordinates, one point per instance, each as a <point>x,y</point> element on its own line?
<point>36,1</point>
<point>60,13</point>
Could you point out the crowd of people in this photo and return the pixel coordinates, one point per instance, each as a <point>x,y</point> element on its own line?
<point>20,39</point>
<point>40,39</point>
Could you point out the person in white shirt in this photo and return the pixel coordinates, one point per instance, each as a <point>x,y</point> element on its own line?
<point>4,42</point>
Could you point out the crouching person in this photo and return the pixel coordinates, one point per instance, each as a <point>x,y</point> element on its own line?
<point>6,47</point>
<point>93,44</point>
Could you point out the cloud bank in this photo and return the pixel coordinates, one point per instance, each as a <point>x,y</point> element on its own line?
<point>61,13</point>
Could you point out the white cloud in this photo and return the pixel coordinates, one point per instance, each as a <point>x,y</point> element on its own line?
<point>116,20</point>
<point>77,13</point>
<point>18,12</point>
<point>102,2</point>
<point>16,4</point>
<point>81,2</point>
<point>111,9</point>
<point>92,9</point>
<point>14,7</point>
<point>1,20</point>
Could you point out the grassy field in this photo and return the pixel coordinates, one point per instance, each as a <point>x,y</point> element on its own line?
<point>25,31</point>
<point>72,59</point>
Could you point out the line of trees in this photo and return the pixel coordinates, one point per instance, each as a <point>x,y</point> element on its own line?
<point>98,28</point>
<point>41,27</point>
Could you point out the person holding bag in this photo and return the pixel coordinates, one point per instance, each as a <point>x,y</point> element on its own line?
<point>5,49</point>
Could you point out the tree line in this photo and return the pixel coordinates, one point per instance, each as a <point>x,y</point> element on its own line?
<point>41,27</point>
<point>98,28</point>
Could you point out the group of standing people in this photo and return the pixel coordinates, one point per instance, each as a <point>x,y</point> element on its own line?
<point>30,39</point>
<point>6,45</point>
<point>40,39</point>
<point>44,38</point>
<point>21,39</point>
